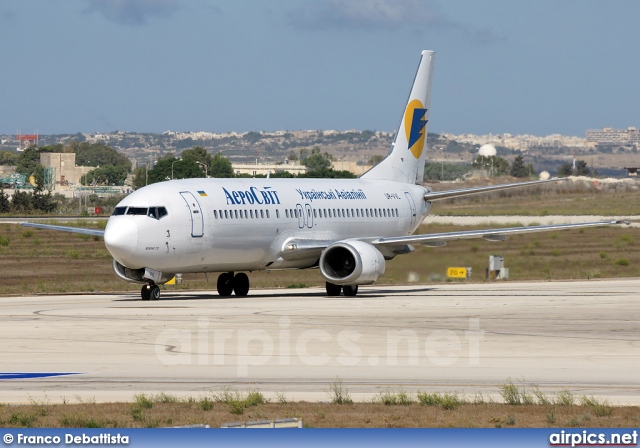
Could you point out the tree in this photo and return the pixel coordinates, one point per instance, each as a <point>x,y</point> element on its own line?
<point>140,177</point>
<point>199,155</point>
<point>8,158</point>
<point>28,160</point>
<point>317,161</point>
<point>564,170</point>
<point>5,205</point>
<point>42,201</point>
<point>221,167</point>
<point>38,175</point>
<point>328,173</point>
<point>21,201</point>
<point>169,166</point>
<point>582,169</point>
<point>105,175</point>
<point>497,165</point>
<point>519,169</point>
<point>374,160</point>
<point>98,155</point>
<point>252,137</point>
<point>445,171</point>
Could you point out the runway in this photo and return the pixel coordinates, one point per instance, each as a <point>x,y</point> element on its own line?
<point>468,338</point>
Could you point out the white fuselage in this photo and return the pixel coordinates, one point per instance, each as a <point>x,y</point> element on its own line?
<point>219,225</point>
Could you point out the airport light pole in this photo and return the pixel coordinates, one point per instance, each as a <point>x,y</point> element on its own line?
<point>177,160</point>
<point>206,168</point>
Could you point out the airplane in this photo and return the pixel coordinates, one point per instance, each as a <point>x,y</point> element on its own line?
<point>347,228</point>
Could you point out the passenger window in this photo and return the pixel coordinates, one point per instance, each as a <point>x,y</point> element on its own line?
<point>119,211</point>
<point>215,214</point>
<point>235,212</point>
<point>314,213</point>
<point>261,214</point>
<point>267,213</point>
<point>251,213</point>
<point>225,214</point>
<point>367,213</point>
<point>277,213</point>
<point>384,211</point>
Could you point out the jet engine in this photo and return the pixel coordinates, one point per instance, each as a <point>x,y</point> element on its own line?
<point>140,276</point>
<point>351,263</point>
<point>128,275</point>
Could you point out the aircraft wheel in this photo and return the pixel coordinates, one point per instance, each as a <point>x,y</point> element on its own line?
<point>350,290</point>
<point>155,292</point>
<point>225,284</point>
<point>241,284</point>
<point>333,290</point>
<point>145,292</point>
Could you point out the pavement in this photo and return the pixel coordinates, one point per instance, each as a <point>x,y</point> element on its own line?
<point>464,337</point>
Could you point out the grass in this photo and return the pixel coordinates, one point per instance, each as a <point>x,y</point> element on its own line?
<point>565,198</point>
<point>338,393</point>
<point>448,401</point>
<point>389,409</point>
<point>390,398</point>
<point>238,402</point>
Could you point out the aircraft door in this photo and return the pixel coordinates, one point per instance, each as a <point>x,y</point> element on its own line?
<point>412,207</point>
<point>300,214</point>
<point>308,216</point>
<point>197,218</point>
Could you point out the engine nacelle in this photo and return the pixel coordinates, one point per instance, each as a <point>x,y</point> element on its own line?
<point>351,263</point>
<point>140,276</point>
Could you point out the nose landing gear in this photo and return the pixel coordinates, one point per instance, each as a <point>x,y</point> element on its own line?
<point>150,292</point>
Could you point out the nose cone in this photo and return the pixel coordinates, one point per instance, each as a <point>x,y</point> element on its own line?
<point>121,238</point>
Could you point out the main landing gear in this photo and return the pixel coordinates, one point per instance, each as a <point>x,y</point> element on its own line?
<point>335,290</point>
<point>229,283</point>
<point>150,292</point>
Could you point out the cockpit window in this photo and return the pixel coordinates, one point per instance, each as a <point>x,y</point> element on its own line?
<point>119,211</point>
<point>157,212</point>
<point>137,211</point>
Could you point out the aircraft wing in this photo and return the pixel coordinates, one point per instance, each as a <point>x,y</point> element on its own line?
<point>439,239</point>
<point>94,232</point>
<point>438,195</point>
<point>296,249</point>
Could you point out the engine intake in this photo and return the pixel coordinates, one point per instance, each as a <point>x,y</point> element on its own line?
<point>351,263</point>
<point>138,275</point>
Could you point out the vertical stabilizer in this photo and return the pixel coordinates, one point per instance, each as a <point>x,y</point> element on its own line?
<point>405,161</point>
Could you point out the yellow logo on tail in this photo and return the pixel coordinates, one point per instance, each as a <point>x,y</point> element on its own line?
<point>414,127</point>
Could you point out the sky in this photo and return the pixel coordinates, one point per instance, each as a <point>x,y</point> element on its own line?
<point>502,66</point>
